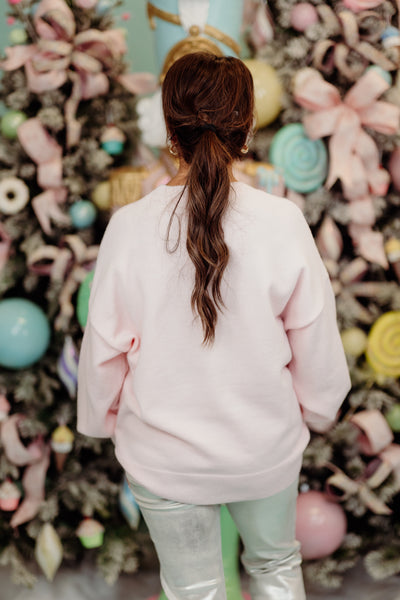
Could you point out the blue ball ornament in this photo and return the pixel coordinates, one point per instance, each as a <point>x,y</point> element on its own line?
<point>83,214</point>
<point>24,333</point>
<point>302,162</point>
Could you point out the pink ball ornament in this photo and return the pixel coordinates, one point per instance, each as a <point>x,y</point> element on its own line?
<point>394,168</point>
<point>303,15</point>
<point>320,525</point>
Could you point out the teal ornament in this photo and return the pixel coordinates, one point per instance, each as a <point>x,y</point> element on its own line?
<point>128,505</point>
<point>113,147</point>
<point>10,122</point>
<point>82,300</point>
<point>18,36</point>
<point>83,214</point>
<point>384,74</point>
<point>303,162</point>
<point>24,333</point>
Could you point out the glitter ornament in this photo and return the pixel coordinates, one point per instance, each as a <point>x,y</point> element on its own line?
<point>83,214</point>
<point>24,333</point>
<point>14,195</point>
<point>303,162</point>
<point>303,15</point>
<point>383,349</point>
<point>90,533</point>
<point>10,122</point>
<point>9,495</point>
<point>320,525</point>
<point>48,551</point>
<point>113,140</point>
<point>267,91</point>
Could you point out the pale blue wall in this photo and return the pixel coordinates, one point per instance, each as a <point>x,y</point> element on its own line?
<point>141,55</point>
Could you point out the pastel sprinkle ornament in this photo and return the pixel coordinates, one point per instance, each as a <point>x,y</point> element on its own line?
<point>383,348</point>
<point>303,15</point>
<point>9,495</point>
<point>268,91</point>
<point>83,214</point>
<point>10,122</point>
<point>24,333</point>
<point>113,140</point>
<point>303,162</point>
<point>320,525</point>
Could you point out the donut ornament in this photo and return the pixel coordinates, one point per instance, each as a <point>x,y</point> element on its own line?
<point>383,347</point>
<point>14,195</point>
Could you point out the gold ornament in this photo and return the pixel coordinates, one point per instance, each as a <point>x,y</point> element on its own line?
<point>101,196</point>
<point>268,91</point>
<point>194,42</point>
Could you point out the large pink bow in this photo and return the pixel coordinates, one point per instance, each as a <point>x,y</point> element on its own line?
<point>87,58</point>
<point>354,155</point>
<point>47,154</point>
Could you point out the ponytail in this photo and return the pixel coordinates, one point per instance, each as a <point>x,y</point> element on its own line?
<point>208,107</point>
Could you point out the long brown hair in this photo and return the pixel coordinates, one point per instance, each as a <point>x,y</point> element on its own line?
<point>208,106</point>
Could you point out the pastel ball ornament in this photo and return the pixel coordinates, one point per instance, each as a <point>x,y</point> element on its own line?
<point>320,525</point>
<point>83,214</point>
<point>24,333</point>
<point>10,122</point>
<point>268,91</point>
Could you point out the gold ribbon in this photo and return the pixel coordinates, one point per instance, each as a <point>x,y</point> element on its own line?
<point>194,42</point>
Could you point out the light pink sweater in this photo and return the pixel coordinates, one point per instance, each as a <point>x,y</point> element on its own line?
<point>222,423</point>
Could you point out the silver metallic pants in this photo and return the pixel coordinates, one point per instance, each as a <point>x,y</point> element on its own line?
<point>187,539</point>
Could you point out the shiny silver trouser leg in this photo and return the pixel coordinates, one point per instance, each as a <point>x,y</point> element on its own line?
<point>187,539</point>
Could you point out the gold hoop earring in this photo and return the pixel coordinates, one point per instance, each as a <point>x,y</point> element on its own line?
<point>245,149</point>
<point>171,147</point>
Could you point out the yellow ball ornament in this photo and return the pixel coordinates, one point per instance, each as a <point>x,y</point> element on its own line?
<point>354,341</point>
<point>268,91</point>
<point>383,349</point>
<point>101,195</point>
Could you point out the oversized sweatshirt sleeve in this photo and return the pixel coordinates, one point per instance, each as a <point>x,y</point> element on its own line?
<point>108,336</point>
<point>318,367</point>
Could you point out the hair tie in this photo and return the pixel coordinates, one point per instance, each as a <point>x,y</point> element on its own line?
<point>209,127</point>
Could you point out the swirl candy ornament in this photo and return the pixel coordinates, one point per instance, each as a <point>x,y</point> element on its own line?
<point>383,349</point>
<point>303,162</point>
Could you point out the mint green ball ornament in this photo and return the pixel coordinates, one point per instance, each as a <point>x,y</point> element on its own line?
<point>10,122</point>
<point>24,333</point>
<point>82,300</point>
<point>302,162</point>
<point>393,417</point>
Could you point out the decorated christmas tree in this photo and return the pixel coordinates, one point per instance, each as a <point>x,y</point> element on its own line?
<point>336,143</point>
<point>69,120</point>
<point>327,136</point>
